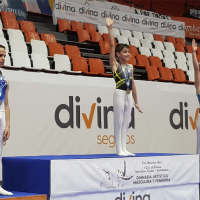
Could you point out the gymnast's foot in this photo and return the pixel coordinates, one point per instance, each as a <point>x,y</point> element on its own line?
<point>4,192</point>
<point>121,153</point>
<point>128,153</point>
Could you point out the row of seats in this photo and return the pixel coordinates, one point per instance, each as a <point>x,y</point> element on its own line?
<point>88,32</point>
<point>10,22</point>
<point>65,25</point>
<point>142,60</point>
<point>40,47</point>
<point>165,74</point>
<point>17,43</point>
<point>96,66</point>
<point>105,49</point>
<point>61,62</point>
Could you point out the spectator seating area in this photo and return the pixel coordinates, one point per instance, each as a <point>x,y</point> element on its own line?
<point>82,48</point>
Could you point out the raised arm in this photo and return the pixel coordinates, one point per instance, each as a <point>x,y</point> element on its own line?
<point>196,67</point>
<point>113,62</point>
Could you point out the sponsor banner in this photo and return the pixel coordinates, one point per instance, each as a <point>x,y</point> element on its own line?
<point>57,114</point>
<point>16,7</point>
<point>118,7</point>
<point>96,15</point>
<point>122,173</point>
<point>190,192</point>
<point>192,27</point>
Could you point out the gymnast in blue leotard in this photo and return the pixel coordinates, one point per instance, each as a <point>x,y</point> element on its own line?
<point>4,111</point>
<point>197,86</point>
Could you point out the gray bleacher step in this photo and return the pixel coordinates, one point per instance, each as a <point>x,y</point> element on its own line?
<point>58,36</point>
<point>86,50</point>
<point>80,45</point>
<point>43,29</point>
<point>71,39</point>
<point>37,24</point>
<point>51,26</point>
<point>91,55</point>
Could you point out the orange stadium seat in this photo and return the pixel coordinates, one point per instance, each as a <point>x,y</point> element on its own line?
<point>105,47</point>
<point>165,74</point>
<point>89,27</point>
<point>63,25</point>
<point>152,73</point>
<point>155,61</point>
<point>31,35</point>
<point>48,38</point>
<point>96,36</point>
<point>83,36</point>
<point>55,48</point>
<point>180,41</point>
<point>180,48</point>
<point>132,61</point>
<point>10,23</point>
<point>27,26</point>
<point>72,51</point>
<point>188,48</point>
<point>133,50</point>
<point>8,15</point>
<point>158,38</point>
<point>179,76</point>
<point>106,38</point>
<point>171,39</point>
<point>76,26</point>
<point>80,64</point>
<point>142,60</point>
<point>97,66</point>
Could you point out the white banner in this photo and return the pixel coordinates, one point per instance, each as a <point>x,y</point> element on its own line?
<point>56,114</point>
<point>189,192</point>
<point>106,174</point>
<point>97,15</point>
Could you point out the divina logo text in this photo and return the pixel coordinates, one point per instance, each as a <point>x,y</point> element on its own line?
<point>75,115</point>
<point>184,119</point>
<point>133,196</point>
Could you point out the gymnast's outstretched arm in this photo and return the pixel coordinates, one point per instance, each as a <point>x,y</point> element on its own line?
<point>196,67</point>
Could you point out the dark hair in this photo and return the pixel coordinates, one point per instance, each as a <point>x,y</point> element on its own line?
<point>1,46</point>
<point>119,47</point>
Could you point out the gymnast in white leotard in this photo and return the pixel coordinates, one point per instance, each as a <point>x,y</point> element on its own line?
<point>4,111</point>
<point>197,86</point>
<point>125,91</point>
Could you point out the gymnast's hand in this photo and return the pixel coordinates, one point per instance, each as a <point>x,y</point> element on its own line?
<point>6,134</point>
<point>138,108</point>
<point>109,22</point>
<point>194,45</point>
